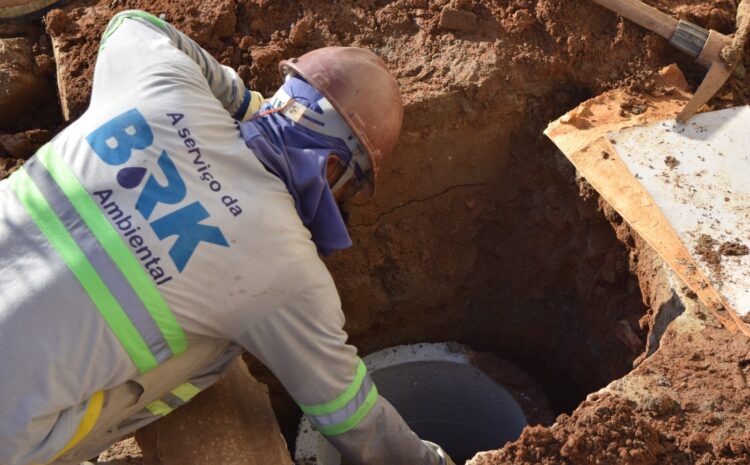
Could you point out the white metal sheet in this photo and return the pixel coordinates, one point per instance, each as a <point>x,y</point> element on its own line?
<point>699,176</point>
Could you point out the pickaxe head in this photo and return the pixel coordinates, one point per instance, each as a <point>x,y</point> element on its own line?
<point>706,47</point>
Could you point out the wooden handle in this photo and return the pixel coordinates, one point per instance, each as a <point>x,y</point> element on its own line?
<point>642,14</point>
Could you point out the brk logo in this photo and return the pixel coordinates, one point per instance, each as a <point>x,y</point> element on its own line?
<point>114,142</point>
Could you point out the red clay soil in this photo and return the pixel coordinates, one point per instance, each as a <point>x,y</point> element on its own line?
<point>480,232</point>
<point>693,409</point>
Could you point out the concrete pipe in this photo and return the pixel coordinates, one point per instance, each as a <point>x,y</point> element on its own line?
<point>442,395</point>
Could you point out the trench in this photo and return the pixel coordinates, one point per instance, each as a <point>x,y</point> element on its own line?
<point>482,235</point>
<point>454,405</point>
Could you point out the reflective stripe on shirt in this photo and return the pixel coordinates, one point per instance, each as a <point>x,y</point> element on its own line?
<point>94,252</point>
<point>348,409</point>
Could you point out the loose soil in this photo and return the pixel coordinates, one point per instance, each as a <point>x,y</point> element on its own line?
<point>711,251</point>
<point>671,162</point>
<point>733,249</point>
<point>687,404</point>
<point>706,248</point>
<point>481,231</point>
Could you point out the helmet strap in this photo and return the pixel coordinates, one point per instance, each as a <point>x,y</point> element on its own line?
<point>289,103</point>
<point>356,170</point>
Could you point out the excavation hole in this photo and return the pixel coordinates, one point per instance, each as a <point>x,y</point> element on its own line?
<point>525,268</point>
<point>452,404</point>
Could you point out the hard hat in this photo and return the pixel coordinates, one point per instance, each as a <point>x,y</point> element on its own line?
<point>362,90</point>
<point>18,8</point>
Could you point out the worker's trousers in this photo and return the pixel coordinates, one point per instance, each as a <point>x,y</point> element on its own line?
<point>125,406</point>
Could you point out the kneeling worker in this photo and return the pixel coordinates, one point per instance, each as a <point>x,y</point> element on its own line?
<point>178,222</point>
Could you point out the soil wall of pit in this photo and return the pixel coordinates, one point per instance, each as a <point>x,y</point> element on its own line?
<point>479,232</point>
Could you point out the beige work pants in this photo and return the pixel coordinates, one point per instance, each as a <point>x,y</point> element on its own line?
<point>125,401</point>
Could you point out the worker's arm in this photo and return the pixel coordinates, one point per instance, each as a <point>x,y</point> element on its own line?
<point>304,344</point>
<point>223,81</point>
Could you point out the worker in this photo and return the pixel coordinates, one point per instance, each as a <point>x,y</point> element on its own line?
<point>177,222</point>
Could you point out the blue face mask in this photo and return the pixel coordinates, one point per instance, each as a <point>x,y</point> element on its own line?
<point>299,156</point>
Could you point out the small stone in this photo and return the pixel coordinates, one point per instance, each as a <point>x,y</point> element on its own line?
<point>298,36</point>
<point>56,22</point>
<point>662,405</point>
<point>23,144</point>
<point>522,20</point>
<point>246,43</point>
<point>267,55</point>
<point>627,335</point>
<point>458,20</point>
<point>663,382</point>
<point>671,162</point>
<point>45,64</point>
<point>20,86</point>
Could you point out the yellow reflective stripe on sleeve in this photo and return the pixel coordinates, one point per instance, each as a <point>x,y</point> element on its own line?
<point>348,409</point>
<point>88,421</point>
<point>159,407</point>
<point>343,399</point>
<point>56,233</point>
<point>351,422</point>
<point>186,391</point>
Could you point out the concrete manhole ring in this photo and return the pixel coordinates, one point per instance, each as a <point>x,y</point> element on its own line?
<point>442,395</point>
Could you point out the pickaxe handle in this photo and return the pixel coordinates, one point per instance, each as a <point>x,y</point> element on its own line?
<point>683,35</point>
<point>644,15</point>
<point>703,45</point>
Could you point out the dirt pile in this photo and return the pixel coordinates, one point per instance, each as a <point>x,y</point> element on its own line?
<point>687,404</point>
<point>608,430</point>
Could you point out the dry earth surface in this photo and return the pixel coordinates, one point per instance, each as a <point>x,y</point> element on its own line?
<point>481,232</point>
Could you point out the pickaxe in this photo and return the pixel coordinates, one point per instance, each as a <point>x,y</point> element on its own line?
<point>702,44</point>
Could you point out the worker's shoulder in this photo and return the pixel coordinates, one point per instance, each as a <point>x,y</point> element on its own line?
<point>137,18</point>
<point>288,244</point>
<point>135,40</point>
<point>272,223</point>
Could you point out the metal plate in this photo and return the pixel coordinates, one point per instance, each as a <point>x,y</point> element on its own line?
<point>697,174</point>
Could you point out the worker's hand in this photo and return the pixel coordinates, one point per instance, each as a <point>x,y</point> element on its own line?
<point>445,459</point>
<point>256,101</point>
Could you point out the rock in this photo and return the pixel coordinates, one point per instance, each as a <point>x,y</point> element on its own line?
<point>662,405</point>
<point>263,56</point>
<point>21,88</point>
<point>231,423</point>
<point>125,452</point>
<point>454,19</point>
<point>298,36</point>
<point>626,334</point>
<point>56,21</point>
<point>246,44</point>
<point>23,144</point>
<point>9,165</point>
